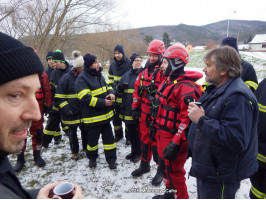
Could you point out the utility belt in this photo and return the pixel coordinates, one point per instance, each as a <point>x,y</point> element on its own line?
<point>151,90</point>
<point>164,128</point>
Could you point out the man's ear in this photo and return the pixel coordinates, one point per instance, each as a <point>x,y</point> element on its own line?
<point>224,72</point>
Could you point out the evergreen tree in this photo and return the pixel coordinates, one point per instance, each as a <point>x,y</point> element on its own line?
<point>166,40</point>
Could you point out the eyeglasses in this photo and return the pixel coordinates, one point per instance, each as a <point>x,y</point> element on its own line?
<point>139,60</point>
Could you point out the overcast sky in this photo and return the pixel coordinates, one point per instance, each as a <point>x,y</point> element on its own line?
<point>142,13</point>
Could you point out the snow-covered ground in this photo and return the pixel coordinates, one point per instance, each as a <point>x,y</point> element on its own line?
<point>103,183</point>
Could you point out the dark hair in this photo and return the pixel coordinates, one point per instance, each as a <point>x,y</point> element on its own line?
<point>225,58</point>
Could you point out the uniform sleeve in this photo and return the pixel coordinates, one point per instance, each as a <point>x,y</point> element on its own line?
<point>119,93</point>
<point>61,95</point>
<point>52,84</point>
<point>110,76</point>
<point>250,78</point>
<point>136,97</point>
<point>85,96</point>
<point>184,96</point>
<point>234,127</point>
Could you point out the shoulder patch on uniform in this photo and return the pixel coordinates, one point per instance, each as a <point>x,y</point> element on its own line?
<point>188,99</point>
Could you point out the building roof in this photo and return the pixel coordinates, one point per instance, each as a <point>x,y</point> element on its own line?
<point>260,38</point>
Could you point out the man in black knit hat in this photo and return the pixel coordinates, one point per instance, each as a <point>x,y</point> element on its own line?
<point>52,129</point>
<point>50,63</point>
<point>118,67</point>
<point>19,81</point>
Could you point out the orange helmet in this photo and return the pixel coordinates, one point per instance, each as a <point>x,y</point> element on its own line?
<point>156,47</point>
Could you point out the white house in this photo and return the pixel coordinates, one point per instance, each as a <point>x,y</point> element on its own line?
<point>258,43</point>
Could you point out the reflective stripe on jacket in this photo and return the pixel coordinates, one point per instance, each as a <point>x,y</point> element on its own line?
<point>92,91</point>
<point>261,97</point>
<point>67,99</point>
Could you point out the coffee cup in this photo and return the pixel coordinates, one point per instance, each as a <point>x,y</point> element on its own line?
<point>64,190</point>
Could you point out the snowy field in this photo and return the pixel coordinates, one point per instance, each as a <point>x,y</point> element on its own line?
<point>103,183</point>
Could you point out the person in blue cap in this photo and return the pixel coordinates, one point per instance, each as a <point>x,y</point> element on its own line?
<point>118,67</point>
<point>248,74</point>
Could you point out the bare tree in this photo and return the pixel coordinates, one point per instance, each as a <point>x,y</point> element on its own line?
<point>7,8</point>
<point>47,25</point>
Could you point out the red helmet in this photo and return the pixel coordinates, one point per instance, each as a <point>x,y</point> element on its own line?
<point>176,51</point>
<point>156,46</point>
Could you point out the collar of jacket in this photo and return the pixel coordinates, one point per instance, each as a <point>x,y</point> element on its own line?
<point>94,72</point>
<point>211,89</point>
<point>68,66</point>
<point>3,154</point>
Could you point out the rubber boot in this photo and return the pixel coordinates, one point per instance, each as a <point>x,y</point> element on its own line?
<point>57,139</point>
<point>112,165</point>
<point>143,168</point>
<point>130,156</point>
<point>47,140</point>
<point>20,162</point>
<point>128,142</point>
<point>92,164</point>
<point>38,159</point>
<point>158,178</point>
<point>169,194</point>
<point>118,136</point>
<point>75,156</point>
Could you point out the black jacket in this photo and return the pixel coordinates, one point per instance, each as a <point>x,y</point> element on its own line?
<point>117,70</point>
<point>49,71</point>
<point>126,95</point>
<point>10,182</point>
<point>224,143</point>
<point>54,80</point>
<point>261,97</point>
<point>67,99</point>
<point>249,75</point>
<point>92,90</point>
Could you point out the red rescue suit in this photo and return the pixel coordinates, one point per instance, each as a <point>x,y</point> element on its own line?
<point>172,122</point>
<point>146,84</point>
<point>44,98</point>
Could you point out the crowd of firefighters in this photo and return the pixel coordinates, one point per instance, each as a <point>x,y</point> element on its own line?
<point>152,101</point>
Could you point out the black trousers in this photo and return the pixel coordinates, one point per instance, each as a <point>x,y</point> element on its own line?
<point>208,190</point>
<point>52,129</point>
<point>109,145</point>
<point>133,136</point>
<point>117,123</point>
<point>258,181</point>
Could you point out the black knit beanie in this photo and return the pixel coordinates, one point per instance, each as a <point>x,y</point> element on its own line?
<point>58,56</point>
<point>230,41</point>
<point>119,48</point>
<point>17,60</point>
<point>89,59</point>
<point>49,55</point>
<point>133,57</point>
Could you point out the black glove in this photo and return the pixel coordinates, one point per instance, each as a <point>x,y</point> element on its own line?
<point>70,112</point>
<point>135,114</point>
<point>122,87</point>
<point>171,150</point>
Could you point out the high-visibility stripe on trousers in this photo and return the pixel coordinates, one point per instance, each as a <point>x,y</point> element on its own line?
<point>109,145</point>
